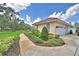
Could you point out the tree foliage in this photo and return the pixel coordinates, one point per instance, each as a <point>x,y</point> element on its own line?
<point>8,21</point>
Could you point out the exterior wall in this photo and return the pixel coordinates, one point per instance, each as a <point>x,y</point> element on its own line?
<point>53,27</point>
<point>73,30</point>
<point>40,27</point>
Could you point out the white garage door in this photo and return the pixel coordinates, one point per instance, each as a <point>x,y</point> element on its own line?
<point>60,31</point>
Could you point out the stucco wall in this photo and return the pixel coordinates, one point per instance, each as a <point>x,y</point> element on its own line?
<point>40,27</point>
<point>53,27</point>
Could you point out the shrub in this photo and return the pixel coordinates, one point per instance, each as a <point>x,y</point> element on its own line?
<point>55,42</point>
<point>44,34</point>
<point>36,39</point>
<point>56,36</point>
<point>4,48</point>
<point>60,41</point>
<point>7,39</point>
<point>35,32</point>
<point>32,32</point>
<point>28,33</point>
<point>50,36</point>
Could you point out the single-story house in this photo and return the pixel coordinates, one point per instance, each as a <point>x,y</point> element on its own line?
<point>54,25</point>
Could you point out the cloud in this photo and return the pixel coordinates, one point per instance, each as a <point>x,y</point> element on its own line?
<point>52,15</point>
<point>59,15</point>
<point>17,5</point>
<point>14,1</point>
<point>72,11</point>
<point>28,20</point>
<point>37,20</point>
<point>73,23</point>
<point>17,16</point>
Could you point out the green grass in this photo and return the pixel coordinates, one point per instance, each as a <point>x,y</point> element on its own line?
<point>6,40</point>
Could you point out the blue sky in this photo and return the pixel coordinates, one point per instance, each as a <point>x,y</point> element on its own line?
<point>43,10</point>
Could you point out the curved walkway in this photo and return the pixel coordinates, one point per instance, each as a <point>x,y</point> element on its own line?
<point>69,49</point>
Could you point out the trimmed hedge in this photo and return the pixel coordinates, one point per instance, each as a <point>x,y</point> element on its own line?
<point>55,42</point>
<point>36,39</point>
<point>50,36</point>
<point>44,34</point>
<point>31,32</point>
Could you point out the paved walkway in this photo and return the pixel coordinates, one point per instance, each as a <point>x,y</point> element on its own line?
<point>69,49</point>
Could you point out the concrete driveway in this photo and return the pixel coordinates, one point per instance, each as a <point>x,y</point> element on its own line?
<point>69,49</point>
<point>72,41</point>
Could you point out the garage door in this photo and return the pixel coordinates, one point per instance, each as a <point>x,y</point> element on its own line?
<point>60,31</point>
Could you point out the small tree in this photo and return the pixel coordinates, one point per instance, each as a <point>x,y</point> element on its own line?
<point>44,34</point>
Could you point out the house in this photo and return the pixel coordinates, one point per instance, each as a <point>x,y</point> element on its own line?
<point>54,25</point>
<point>73,27</point>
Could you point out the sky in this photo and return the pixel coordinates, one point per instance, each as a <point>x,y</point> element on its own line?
<point>34,12</point>
<point>43,10</point>
<point>40,11</point>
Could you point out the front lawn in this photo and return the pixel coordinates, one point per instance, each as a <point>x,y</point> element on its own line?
<point>7,38</point>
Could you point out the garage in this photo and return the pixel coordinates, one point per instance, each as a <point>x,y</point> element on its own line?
<point>60,30</point>
<point>55,26</point>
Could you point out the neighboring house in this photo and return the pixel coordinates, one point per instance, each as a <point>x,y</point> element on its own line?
<point>73,29</point>
<point>54,25</point>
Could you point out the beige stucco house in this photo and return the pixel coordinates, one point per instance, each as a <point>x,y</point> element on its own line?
<point>54,25</point>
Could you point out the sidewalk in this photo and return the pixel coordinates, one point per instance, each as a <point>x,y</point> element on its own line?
<point>68,49</point>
